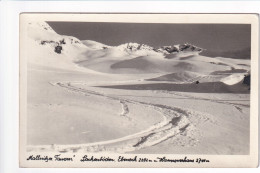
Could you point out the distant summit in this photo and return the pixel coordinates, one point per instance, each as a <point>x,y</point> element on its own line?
<point>186,47</point>
<point>175,63</point>
<point>134,47</point>
<point>62,43</point>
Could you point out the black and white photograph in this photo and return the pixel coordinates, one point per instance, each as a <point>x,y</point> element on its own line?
<point>169,86</point>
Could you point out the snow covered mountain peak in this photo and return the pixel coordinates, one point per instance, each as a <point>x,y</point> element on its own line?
<point>43,34</point>
<point>40,28</point>
<point>186,47</point>
<point>134,47</point>
<point>44,37</point>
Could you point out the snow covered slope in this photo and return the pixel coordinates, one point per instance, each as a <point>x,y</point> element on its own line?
<point>133,97</point>
<point>47,48</point>
<point>94,45</point>
<point>175,62</point>
<point>233,79</point>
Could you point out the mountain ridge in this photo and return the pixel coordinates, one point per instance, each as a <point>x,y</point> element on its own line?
<point>174,62</point>
<point>133,47</point>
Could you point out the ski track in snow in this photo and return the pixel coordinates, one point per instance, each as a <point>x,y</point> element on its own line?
<point>175,122</point>
<point>125,109</point>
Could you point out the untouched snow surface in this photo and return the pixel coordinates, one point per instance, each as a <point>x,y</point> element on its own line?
<point>233,79</point>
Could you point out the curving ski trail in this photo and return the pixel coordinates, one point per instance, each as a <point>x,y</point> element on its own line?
<point>175,122</point>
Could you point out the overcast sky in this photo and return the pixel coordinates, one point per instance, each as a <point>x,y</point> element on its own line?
<point>217,37</point>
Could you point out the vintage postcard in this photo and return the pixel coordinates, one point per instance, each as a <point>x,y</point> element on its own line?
<point>138,90</point>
